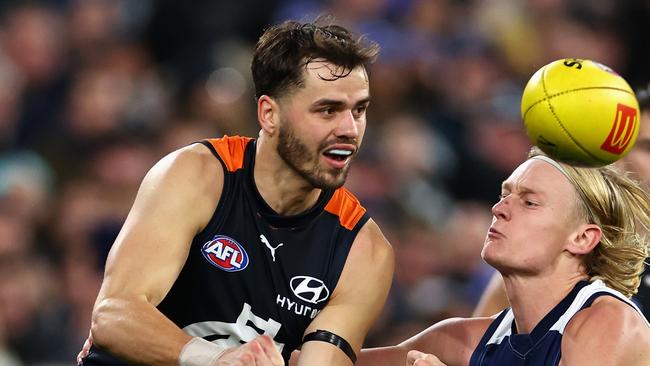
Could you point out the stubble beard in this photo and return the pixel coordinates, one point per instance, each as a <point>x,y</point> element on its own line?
<point>296,155</point>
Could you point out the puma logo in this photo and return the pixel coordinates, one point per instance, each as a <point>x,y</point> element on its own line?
<point>268,245</point>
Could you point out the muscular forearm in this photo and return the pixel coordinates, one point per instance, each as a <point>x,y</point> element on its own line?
<point>383,356</point>
<point>134,330</point>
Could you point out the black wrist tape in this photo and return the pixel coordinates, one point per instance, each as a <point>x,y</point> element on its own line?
<point>329,337</point>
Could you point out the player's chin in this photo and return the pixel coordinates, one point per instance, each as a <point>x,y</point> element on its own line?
<point>336,183</point>
<point>489,253</point>
<point>334,179</point>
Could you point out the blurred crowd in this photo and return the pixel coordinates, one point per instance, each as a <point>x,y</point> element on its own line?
<point>93,92</point>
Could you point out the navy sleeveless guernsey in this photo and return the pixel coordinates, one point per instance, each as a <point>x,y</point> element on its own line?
<point>252,271</point>
<point>501,344</point>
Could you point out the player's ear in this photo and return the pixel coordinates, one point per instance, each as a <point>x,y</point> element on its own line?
<point>268,114</point>
<point>584,239</point>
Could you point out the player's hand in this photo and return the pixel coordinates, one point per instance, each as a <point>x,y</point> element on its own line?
<point>417,358</point>
<point>86,348</point>
<point>261,351</point>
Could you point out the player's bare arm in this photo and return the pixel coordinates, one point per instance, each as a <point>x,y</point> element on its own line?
<point>451,340</point>
<point>612,332</point>
<point>357,300</point>
<point>174,202</point>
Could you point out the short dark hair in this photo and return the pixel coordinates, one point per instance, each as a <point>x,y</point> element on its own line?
<point>285,49</point>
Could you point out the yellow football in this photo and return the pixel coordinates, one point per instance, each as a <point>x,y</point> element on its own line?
<point>580,112</point>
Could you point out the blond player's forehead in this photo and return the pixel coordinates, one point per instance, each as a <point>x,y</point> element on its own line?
<point>540,177</point>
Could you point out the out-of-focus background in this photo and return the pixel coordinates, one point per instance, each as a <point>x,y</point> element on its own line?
<point>94,92</point>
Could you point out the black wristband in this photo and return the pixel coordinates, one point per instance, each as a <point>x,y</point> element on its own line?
<point>329,337</point>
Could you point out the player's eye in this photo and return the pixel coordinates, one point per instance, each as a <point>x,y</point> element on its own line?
<point>360,110</point>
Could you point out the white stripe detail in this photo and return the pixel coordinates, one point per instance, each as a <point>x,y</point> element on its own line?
<point>582,297</point>
<point>505,327</point>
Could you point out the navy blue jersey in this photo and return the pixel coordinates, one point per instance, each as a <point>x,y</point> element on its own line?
<point>501,345</point>
<point>252,271</point>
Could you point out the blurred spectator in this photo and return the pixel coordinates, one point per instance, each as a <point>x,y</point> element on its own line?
<point>11,89</point>
<point>416,162</point>
<point>32,38</point>
<point>26,185</point>
<point>33,310</point>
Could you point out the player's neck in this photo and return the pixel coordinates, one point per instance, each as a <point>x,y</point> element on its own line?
<point>532,297</point>
<point>285,191</point>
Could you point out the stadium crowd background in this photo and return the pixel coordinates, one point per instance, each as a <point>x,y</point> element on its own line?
<point>93,92</point>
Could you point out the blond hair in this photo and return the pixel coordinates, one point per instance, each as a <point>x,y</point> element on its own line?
<point>616,203</point>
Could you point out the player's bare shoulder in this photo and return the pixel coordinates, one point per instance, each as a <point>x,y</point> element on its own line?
<point>609,331</point>
<point>606,313</point>
<point>192,167</point>
<point>370,264</point>
<point>373,246</point>
<point>189,179</point>
<point>194,162</point>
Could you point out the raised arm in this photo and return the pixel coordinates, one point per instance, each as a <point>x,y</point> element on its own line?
<point>175,201</point>
<point>451,340</point>
<point>357,300</point>
<point>610,333</point>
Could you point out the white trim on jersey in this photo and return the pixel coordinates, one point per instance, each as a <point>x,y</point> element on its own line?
<point>583,295</point>
<point>505,327</point>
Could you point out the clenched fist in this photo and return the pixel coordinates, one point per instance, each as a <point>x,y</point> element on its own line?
<point>417,358</point>
<point>261,351</point>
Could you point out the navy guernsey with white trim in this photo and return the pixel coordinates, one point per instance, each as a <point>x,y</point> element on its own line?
<point>501,345</point>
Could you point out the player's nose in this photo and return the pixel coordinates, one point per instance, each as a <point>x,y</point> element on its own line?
<point>501,209</point>
<point>348,126</point>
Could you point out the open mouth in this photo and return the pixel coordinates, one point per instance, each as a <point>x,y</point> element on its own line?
<point>338,157</point>
<point>338,154</point>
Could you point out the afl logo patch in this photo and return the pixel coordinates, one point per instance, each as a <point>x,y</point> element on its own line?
<point>225,253</point>
<point>309,289</point>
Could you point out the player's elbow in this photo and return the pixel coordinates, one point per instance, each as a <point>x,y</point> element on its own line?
<point>102,325</point>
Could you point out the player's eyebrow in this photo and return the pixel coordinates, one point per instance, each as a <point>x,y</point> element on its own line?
<point>339,104</point>
<point>521,189</point>
<point>324,102</point>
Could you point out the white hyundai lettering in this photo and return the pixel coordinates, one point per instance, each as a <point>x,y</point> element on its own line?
<point>309,289</point>
<point>223,252</point>
<point>298,309</point>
